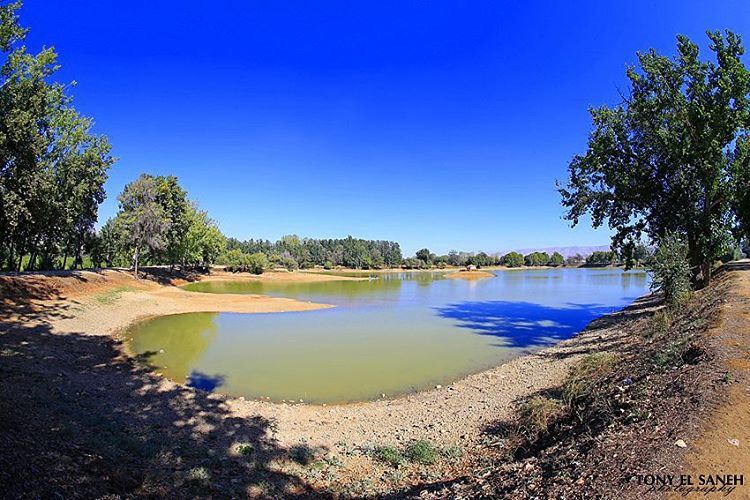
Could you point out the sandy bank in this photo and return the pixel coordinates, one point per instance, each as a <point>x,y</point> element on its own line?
<point>469,275</point>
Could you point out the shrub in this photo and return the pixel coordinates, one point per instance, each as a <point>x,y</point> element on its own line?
<point>328,265</point>
<point>671,270</point>
<point>302,454</point>
<point>245,449</point>
<point>583,377</point>
<point>535,415</point>
<point>660,323</point>
<point>422,452</point>
<point>199,476</point>
<point>389,455</point>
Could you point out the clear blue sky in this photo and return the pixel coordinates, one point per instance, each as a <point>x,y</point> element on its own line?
<point>438,124</point>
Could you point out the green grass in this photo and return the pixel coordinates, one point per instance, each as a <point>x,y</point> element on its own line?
<point>584,375</point>
<point>389,455</point>
<point>420,452</point>
<point>111,296</point>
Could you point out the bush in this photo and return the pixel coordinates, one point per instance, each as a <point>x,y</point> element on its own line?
<point>671,270</point>
<point>583,377</point>
<point>240,262</point>
<point>389,455</point>
<point>328,265</point>
<point>422,452</point>
<point>535,415</point>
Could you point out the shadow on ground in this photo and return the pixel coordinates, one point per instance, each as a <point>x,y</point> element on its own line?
<point>78,419</point>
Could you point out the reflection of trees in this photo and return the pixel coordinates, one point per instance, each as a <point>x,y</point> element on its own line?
<point>183,338</point>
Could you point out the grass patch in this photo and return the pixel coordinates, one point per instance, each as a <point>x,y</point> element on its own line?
<point>660,323</point>
<point>302,454</point>
<point>583,377</point>
<point>535,416</point>
<point>421,452</point>
<point>389,455</point>
<point>111,296</point>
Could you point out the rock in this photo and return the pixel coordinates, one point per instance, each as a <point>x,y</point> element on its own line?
<point>680,443</point>
<point>734,442</point>
<point>438,386</point>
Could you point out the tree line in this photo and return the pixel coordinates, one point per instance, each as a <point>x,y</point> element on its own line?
<point>52,167</point>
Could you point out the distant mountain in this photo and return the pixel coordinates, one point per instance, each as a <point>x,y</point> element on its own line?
<point>565,251</point>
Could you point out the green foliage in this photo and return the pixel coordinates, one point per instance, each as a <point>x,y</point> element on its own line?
<point>662,161</point>
<point>422,452</point>
<point>245,449</point>
<point>142,222</point>
<point>52,168</point>
<point>556,259</point>
<point>671,270</point>
<point>389,455</point>
<point>537,259</point>
<point>239,262</point>
<point>601,258</point>
<point>513,259</point>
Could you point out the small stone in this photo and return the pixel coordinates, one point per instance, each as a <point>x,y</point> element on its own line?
<point>438,386</point>
<point>680,443</point>
<point>382,395</point>
<point>734,442</point>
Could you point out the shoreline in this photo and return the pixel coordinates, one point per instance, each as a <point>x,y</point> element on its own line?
<point>453,415</point>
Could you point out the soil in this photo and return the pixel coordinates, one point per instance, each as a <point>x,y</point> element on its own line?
<point>78,417</point>
<point>469,275</point>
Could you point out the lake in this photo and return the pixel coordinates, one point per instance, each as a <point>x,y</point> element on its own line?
<point>391,334</point>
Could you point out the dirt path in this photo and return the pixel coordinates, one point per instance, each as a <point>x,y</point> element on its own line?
<point>723,443</point>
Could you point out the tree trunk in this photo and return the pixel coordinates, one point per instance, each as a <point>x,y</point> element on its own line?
<point>135,262</point>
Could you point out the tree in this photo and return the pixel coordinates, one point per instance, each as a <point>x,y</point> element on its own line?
<point>52,168</point>
<point>658,163</point>
<point>142,222</point>
<point>513,259</point>
<point>671,270</point>
<point>600,258</point>
<point>740,182</point>
<point>537,259</point>
<point>556,259</point>
<point>425,256</point>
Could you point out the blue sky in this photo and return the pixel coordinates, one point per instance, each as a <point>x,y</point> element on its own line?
<point>438,124</point>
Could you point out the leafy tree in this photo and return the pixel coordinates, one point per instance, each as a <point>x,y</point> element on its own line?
<point>142,222</point>
<point>513,259</point>
<point>659,162</point>
<point>425,256</point>
<point>556,259</point>
<point>52,168</point>
<point>601,258</point>
<point>740,183</point>
<point>537,259</point>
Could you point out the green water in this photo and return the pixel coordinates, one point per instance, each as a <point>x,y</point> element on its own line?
<point>388,335</point>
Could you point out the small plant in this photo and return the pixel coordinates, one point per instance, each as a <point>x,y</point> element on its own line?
<point>535,415</point>
<point>422,452</point>
<point>660,323</point>
<point>583,376</point>
<point>670,355</point>
<point>245,449</point>
<point>389,455</point>
<point>302,454</point>
<point>199,476</point>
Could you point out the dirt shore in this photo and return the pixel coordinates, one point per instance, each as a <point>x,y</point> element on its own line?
<point>93,307</point>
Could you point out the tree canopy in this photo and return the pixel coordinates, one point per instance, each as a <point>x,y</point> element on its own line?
<point>664,160</point>
<point>52,167</point>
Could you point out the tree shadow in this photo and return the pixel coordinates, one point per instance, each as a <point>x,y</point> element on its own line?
<point>204,381</point>
<point>80,419</point>
<point>523,324</point>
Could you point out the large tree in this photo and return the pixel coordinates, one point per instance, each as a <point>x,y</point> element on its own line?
<point>52,168</point>
<point>142,221</point>
<point>658,163</point>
